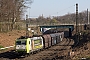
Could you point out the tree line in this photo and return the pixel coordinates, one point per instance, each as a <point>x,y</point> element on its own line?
<point>67,18</point>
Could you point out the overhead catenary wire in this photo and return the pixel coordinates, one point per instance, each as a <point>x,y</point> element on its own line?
<point>63,10</point>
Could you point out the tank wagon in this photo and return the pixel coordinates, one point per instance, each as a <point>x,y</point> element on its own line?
<point>35,43</point>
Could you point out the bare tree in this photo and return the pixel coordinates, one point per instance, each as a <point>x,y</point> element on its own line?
<point>10,12</point>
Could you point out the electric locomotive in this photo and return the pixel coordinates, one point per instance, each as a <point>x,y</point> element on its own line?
<point>28,45</point>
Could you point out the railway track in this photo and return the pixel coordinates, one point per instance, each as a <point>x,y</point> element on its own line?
<point>56,52</point>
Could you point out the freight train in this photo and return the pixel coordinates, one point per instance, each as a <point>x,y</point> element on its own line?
<point>35,43</point>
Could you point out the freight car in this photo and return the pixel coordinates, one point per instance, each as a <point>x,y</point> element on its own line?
<point>35,43</point>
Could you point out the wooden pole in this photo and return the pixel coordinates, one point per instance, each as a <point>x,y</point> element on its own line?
<point>76,18</point>
<point>27,33</point>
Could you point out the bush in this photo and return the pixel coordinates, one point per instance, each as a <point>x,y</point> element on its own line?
<point>1,46</point>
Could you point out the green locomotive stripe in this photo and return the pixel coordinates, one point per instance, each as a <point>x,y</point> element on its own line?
<point>20,50</point>
<point>37,41</point>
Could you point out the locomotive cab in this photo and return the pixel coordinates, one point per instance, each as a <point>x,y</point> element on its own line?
<point>23,45</point>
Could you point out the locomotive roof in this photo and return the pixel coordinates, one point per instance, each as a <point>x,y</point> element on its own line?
<point>23,37</point>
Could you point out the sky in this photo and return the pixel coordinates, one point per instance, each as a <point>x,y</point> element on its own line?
<point>56,7</point>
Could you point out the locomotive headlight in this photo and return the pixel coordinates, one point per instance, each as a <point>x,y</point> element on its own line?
<point>17,46</point>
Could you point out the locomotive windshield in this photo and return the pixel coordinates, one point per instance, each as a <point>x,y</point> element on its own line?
<point>18,42</point>
<point>21,42</point>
